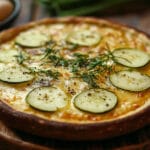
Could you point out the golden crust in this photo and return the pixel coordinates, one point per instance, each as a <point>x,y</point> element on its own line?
<point>10,33</point>
<point>64,129</point>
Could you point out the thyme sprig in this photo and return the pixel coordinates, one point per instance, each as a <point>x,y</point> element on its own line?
<point>49,48</point>
<point>90,78</point>
<point>78,62</point>
<point>101,61</point>
<point>71,46</point>
<point>82,66</point>
<point>58,61</point>
<point>20,58</point>
<point>94,67</point>
<point>48,72</point>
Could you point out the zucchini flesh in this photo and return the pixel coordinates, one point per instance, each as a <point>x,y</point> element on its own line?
<point>130,80</point>
<point>46,98</point>
<point>95,100</point>
<point>84,37</point>
<point>131,57</point>
<point>8,55</point>
<point>32,39</point>
<point>15,74</point>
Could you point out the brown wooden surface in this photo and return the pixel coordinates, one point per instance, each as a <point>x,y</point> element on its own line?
<point>11,139</point>
<point>140,19</point>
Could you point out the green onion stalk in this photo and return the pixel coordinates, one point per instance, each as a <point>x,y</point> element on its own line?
<point>79,7</point>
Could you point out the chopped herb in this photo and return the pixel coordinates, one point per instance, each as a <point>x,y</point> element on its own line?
<point>32,69</point>
<point>101,61</point>
<point>79,55</point>
<point>20,58</point>
<point>90,77</point>
<point>94,62</point>
<point>50,73</point>
<point>53,55</point>
<point>48,51</point>
<point>80,65</point>
<point>50,48</point>
<point>58,61</point>
<point>71,46</point>
<point>79,61</point>
<point>50,43</point>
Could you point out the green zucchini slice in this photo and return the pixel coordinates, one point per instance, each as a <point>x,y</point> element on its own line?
<point>8,55</point>
<point>32,39</point>
<point>131,57</point>
<point>95,100</point>
<point>130,80</point>
<point>84,37</point>
<point>47,98</point>
<point>15,74</point>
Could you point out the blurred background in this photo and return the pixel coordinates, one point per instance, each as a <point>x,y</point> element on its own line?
<point>91,7</point>
<point>135,13</point>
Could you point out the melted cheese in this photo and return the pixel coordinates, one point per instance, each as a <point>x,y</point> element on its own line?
<point>112,38</point>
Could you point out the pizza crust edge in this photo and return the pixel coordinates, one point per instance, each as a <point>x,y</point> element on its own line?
<point>71,131</point>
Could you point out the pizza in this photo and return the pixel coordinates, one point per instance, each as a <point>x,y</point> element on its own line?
<point>75,78</point>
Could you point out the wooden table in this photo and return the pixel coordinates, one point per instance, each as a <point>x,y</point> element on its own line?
<point>11,139</point>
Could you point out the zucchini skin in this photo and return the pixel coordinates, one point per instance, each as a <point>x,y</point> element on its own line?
<point>102,112</point>
<point>82,33</point>
<point>142,65</point>
<point>29,100</point>
<point>31,42</point>
<point>96,113</point>
<point>27,46</point>
<point>126,88</point>
<point>19,82</point>
<point>16,82</point>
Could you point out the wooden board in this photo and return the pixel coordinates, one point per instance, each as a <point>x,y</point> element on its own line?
<point>11,139</point>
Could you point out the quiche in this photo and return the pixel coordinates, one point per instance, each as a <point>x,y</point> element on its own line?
<point>75,78</point>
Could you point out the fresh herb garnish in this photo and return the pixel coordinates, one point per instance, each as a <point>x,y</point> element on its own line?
<point>20,58</point>
<point>92,67</point>
<point>101,61</point>
<point>90,78</point>
<point>78,62</point>
<point>48,51</point>
<point>58,61</point>
<point>71,46</point>
<point>81,65</point>
<point>50,73</point>
<point>54,57</point>
<point>49,48</point>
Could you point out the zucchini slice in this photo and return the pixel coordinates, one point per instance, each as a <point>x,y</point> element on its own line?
<point>131,57</point>
<point>130,80</point>
<point>46,98</point>
<point>8,55</point>
<point>32,39</point>
<point>95,100</point>
<point>84,37</point>
<point>15,74</point>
